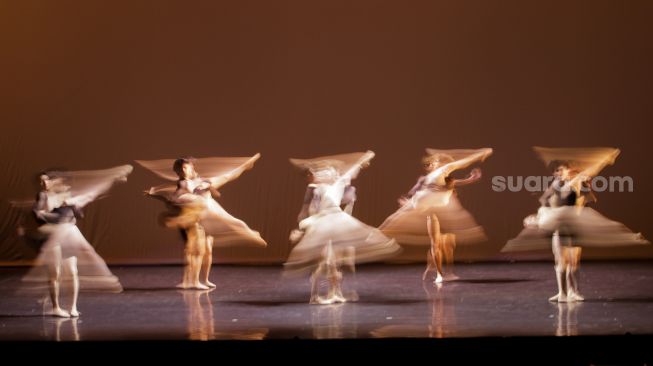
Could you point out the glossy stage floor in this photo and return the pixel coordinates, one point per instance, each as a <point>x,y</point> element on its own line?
<point>492,304</point>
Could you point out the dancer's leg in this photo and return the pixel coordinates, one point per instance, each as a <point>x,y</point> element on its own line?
<point>560,269</point>
<point>433,225</point>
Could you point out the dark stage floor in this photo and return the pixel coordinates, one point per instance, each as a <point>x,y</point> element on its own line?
<point>498,299</point>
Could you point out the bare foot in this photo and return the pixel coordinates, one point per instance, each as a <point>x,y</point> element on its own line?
<point>575,296</point>
<point>74,313</point>
<point>332,299</point>
<point>438,279</point>
<point>339,298</point>
<point>558,298</point>
<point>209,284</point>
<point>451,277</point>
<point>183,286</point>
<point>59,312</point>
<point>199,286</point>
<point>327,301</point>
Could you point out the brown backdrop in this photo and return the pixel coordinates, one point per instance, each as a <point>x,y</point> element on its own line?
<point>86,85</point>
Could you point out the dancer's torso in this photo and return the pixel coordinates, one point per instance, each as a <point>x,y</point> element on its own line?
<point>56,204</point>
<point>563,194</point>
<point>330,195</point>
<point>434,186</point>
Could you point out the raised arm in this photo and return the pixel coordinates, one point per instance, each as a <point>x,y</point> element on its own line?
<point>481,155</point>
<point>90,195</point>
<point>100,182</point>
<point>219,181</point>
<point>473,176</point>
<point>84,199</point>
<point>591,171</point>
<point>164,192</point>
<point>352,172</point>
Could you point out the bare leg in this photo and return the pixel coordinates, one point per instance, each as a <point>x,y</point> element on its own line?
<point>208,261</point>
<point>71,267</point>
<point>194,251</point>
<point>315,285</point>
<point>54,280</point>
<point>335,276</point>
<point>330,266</point>
<point>188,260</point>
<point>560,269</point>
<point>315,277</point>
<point>430,263</point>
<point>185,281</point>
<point>199,248</point>
<point>572,255</point>
<point>348,260</point>
<point>448,247</point>
<point>433,225</point>
<point>335,290</point>
<point>335,281</point>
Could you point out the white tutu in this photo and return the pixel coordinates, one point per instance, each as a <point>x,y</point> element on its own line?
<point>584,225</point>
<point>408,225</point>
<point>66,241</point>
<point>217,222</point>
<point>344,232</point>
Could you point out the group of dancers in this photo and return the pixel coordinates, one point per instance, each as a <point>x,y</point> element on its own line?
<point>328,237</point>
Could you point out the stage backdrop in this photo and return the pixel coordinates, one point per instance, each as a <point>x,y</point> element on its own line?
<point>89,85</point>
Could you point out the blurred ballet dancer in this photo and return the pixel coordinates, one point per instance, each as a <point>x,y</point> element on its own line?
<point>564,222</point>
<point>197,214</point>
<point>431,214</point>
<point>328,236</point>
<point>309,208</point>
<point>65,253</point>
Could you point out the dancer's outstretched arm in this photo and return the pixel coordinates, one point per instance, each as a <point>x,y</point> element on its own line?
<point>591,171</point>
<point>219,181</point>
<point>465,162</point>
<point>353,171</point>
<point>102,182</point>
<point>473,176</point>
